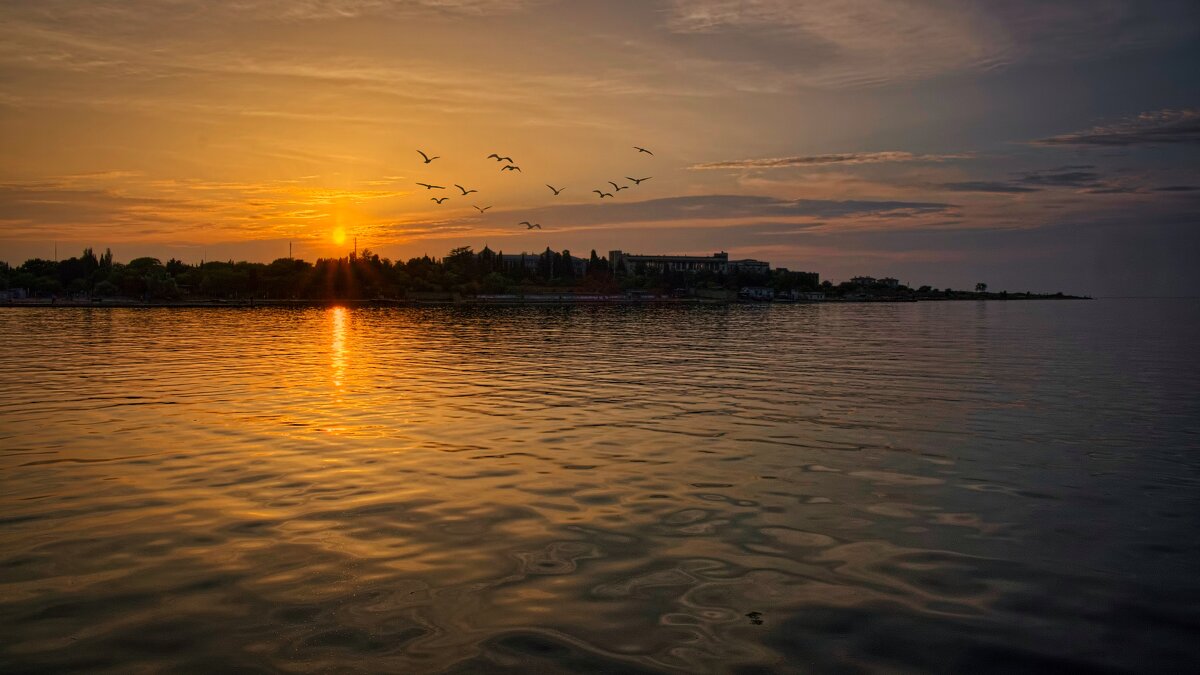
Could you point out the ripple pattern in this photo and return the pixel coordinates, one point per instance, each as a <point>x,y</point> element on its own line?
<point>947,487</point>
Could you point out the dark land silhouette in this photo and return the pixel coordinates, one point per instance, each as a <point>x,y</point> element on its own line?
<point>462,273</point>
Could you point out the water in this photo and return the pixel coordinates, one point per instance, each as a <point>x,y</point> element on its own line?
<point>965,487</point>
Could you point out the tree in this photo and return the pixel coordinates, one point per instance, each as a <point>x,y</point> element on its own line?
<point>981,287</point>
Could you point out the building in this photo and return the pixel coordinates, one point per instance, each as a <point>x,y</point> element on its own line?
<point>717,263</point>
<point>530,262</point>
<point>749,267</point>
<point>872,281</point>
<point>527,260</point>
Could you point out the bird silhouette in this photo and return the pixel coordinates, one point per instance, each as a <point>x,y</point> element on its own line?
<point>481,210</point>
<point>639,149</point>
<point>439,201</point>
<point>602,194</point>
<point>638,181</point>
<point>427,186</point>
<point>618,188</point>
<point>530,226</point>
<point>498,158</point>
<point>427,158</point>
<point>465,191</point>
<point>511,167</point>
<point>554,189</point>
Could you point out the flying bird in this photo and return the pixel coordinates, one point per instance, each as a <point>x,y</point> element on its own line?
<point>643,150</point>
<point>498,158</point>
<point>439,201</point>
<point>554,189</point>
<point>511,167</point>
<point>481,210</point>
<point>602,194</point>
<point>427,186</point>
<point>427,158</point>
<point>618,188</point>
<point>638,181</point>
<point>529,226</point>
<point>465,191</point>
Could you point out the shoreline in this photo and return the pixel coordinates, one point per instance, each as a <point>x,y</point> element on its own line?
<point>252,304</point>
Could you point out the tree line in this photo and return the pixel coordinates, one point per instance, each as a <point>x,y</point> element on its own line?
<point>362,275</point>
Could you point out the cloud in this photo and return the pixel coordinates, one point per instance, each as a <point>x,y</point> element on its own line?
<point>311,10</point>
<point>1056,178</point>
<point>1178,188</point>
<point>987,186</point>
<point>854,43</point>
<point>72,205</point>
<point>1166,126</point>
<point>820,160</point>
<point>718,207</point>
<point>1078,178</point>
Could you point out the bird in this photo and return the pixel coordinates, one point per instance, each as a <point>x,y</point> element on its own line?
<point>638,181</point>
<point>639,149</point>
<point>511,167</point>
<point>618,188</point>
<point>529,226</point>
<point>481,210</point>
<point>465,191</point>
<point>427,186</point>
<point>554,189</point>
<point>602,194</point>
<point>498,158</point>
<point>439,201</point>
<point>427,158</point>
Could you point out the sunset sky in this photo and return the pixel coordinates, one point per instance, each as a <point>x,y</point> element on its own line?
<point>1034,145</point>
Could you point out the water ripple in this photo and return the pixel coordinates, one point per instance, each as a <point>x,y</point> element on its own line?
<point>952,487</point>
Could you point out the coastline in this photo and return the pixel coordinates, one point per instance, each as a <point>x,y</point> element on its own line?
<point>471,301</point>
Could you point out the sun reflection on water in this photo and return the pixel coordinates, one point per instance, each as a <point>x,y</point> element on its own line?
<point>337,347</point>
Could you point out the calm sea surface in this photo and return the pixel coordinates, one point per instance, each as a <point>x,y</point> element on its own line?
<point>963,487</point>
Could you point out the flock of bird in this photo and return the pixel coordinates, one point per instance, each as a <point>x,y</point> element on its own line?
<point>507,164</point>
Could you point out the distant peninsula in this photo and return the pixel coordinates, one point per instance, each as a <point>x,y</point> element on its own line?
<point>463,275</point>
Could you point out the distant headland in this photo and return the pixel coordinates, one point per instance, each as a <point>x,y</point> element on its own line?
<point>463,275</point>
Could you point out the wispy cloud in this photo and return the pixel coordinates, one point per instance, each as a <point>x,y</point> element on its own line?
<point>1060,178</point>
<point>1073,178</point>
<point>854,43</point>
<point>820,160</point>
<point>722,207</point>
<point>986,186</point>
<point>1156,127</point>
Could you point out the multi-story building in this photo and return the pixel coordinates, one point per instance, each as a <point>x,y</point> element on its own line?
<point>717,262</point>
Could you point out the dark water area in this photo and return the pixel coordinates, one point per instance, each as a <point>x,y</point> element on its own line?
<point>930,487</point>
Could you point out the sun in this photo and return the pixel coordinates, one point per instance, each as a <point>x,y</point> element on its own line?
<point>339,236</point>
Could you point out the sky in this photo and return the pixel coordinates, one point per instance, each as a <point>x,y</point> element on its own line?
<point>1046,145</point>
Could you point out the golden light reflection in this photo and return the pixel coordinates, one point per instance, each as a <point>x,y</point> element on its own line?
<point>337,348</point>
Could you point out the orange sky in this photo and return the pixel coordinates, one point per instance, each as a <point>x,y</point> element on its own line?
<point>229,129</point>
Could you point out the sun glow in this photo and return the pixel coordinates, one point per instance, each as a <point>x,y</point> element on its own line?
<point>339,236</point>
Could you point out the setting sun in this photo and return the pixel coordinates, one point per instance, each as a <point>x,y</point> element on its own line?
<point>339,236</point>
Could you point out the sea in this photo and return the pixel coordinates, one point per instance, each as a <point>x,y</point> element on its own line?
<point>962,487</point>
